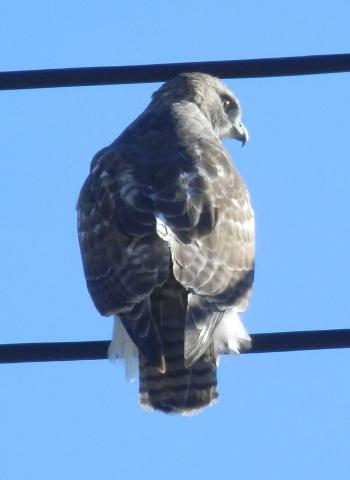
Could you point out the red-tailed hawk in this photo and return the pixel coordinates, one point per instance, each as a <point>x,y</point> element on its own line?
<point>166,232</point>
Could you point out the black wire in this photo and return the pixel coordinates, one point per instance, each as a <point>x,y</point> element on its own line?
<point>262,67</point>
<point>97,350</point>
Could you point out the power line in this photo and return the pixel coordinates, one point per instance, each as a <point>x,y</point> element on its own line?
<point>97,350</point>
<point>252,68</point>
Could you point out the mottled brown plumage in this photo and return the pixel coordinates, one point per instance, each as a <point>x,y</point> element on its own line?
<point>166,232</point>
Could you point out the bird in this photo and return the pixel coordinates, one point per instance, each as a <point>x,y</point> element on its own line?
<point>167,239</point>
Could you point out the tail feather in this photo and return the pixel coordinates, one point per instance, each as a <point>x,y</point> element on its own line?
<point>180,389</point>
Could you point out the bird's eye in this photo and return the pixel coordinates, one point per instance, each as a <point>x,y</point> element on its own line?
<point>227,103</point>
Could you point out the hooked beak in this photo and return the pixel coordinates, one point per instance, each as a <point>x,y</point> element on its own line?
<point>239,132</point>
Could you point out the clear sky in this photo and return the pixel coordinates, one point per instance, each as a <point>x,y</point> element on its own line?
<point>280,416</point>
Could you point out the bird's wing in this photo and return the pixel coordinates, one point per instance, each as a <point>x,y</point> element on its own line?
<point>123,257</point>
<point>206,208</point>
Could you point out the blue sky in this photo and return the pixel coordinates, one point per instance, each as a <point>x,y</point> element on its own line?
<point>279,415</point>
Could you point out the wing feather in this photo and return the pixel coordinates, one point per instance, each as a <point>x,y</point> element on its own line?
<point>202,202</point>
<point>123,257</point>
<point>212,243</point>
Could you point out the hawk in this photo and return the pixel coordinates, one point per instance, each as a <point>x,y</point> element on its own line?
<point>166,232</point>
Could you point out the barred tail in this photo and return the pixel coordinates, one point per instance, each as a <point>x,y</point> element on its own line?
<point>178,389</point>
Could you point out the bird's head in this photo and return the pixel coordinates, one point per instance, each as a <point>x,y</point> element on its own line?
<point>216,102</point>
